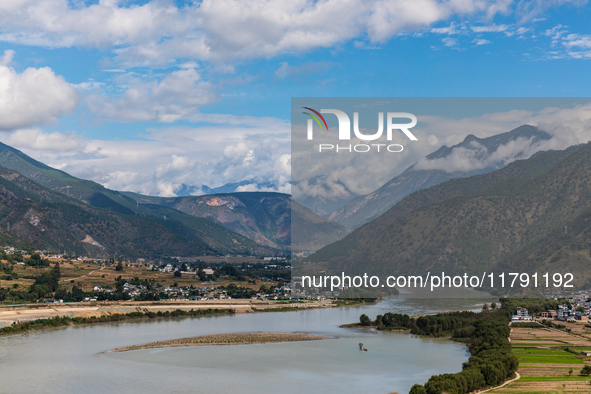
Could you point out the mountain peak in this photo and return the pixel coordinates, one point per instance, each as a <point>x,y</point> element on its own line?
<point>470,138</point>
<point>362,209</point>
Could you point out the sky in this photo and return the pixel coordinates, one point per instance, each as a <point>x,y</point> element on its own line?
<point>148,96</point>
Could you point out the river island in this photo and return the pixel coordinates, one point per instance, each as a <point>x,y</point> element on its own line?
<point>248,338</point>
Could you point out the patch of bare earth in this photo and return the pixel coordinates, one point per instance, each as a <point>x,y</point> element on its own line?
<point>226,339</point>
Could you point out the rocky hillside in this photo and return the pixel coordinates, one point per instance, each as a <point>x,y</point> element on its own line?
<point>510,218</point>
<point>363,209</point>
<point>263,218</point>
<point>32,214</point>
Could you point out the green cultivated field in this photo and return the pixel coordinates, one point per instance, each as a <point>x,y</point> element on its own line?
<point>549,360</point>
<point>536,351</point>
<point>552,378</point>
<point>533,392</point>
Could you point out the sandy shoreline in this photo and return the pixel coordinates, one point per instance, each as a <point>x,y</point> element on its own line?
<point>248,338</point>
<point>22,313</point>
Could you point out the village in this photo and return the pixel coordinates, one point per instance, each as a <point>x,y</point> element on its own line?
<point>576,309</point>
<point>84,279</point>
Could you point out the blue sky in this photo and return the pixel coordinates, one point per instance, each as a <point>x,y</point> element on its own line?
<point>150,95</point>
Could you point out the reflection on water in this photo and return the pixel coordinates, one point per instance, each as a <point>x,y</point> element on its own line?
<point>70,360</point>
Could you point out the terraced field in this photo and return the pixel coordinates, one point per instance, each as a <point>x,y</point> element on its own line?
<point>544,364</point>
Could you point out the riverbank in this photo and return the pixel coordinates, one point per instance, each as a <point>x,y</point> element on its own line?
<point>248,338</point>
<point>56,321</point>
<point>330,367</point>
<point>486,335</point>
<point>23,318</point>
<point>10,314</point>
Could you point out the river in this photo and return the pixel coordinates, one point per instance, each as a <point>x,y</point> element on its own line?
<point>72,360</point>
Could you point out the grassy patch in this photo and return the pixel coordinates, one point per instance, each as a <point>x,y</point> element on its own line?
<point>534,392</point>
<point>553,378</point>
<point>549,360</point>
<point>532,366</point>
<point>536,351</point>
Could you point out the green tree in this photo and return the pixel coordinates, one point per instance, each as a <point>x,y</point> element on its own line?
<point>417,389</point>
<point>580,309</point>
<point>364,320</point>
<point>55,276</point>
<point>570,372</point>
<point>177,274</point>
<point>3,293</point>
<point>119,267</point>
<point>493,305</point>
<point>586,371</point>
<point>379,322</point>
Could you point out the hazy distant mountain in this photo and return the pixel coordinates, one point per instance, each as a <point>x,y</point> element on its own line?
<point>311,232</point>
<point>35,215</point>
<point>363,209</point>
<point>512,218</point>
<point>321,205</point>
<point>191,190</point>
<point>87,210</point>
<point>263,217</point>
<point>248,222</point>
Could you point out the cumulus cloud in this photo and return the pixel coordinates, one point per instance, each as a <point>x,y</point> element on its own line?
<point>167,158</point>
<point>35,96</point>
<point>37,139</point>
<point>158,32</point>
<point>449,42</point>
<point>251,148</point>
<point>481,41</point>
<point>7,57</point>
<point>567,126</point>
<point>476,157</point>
<point>177,96</point>
<point>342,176</point>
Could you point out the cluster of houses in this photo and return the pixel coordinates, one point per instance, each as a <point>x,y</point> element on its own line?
<point>169,268</point>
<point>183,293</point>
<point>564,313</point>
<point>13,250</point>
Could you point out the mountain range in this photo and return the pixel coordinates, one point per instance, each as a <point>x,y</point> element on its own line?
<point>53,210</point>
<point>264,217</point>
<point>191,190</point>
<point>363,209</point>
<point>532,215</point>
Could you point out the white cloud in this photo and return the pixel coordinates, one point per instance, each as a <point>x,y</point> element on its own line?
<point>451,29</point>
<point>566,127</point>
<point>335,176</point>
<point>565,44</point>
<point>7,57</point>
<point>35,96</point>
<point>158,32</point>
<point>39,140</point>
<point>476,157</point>
<point>167,158</point>
<point>490,29</point>
<point>449,42</point>
<point>481,41</point>
<point>306,69</point>
<point>528,10</point>
<point>177,96</point>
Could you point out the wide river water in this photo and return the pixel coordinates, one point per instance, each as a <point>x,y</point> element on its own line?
<point>72,360</point>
